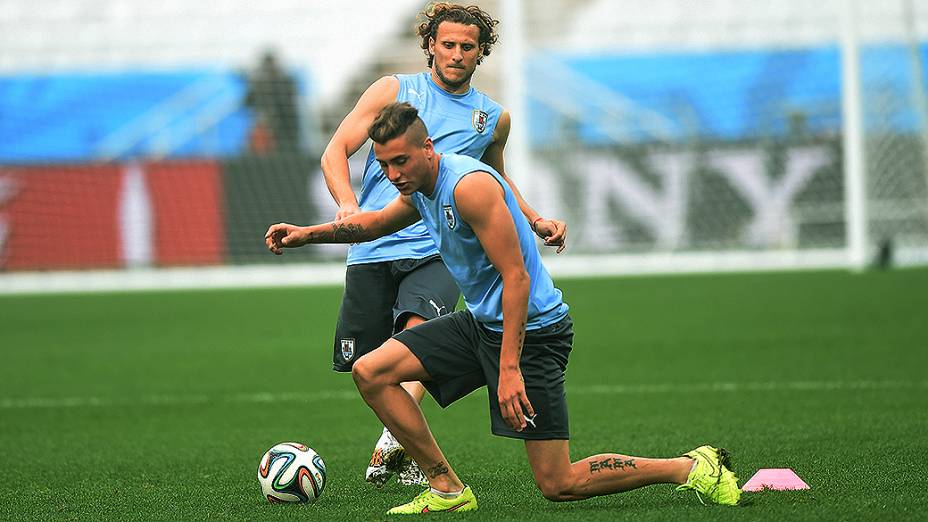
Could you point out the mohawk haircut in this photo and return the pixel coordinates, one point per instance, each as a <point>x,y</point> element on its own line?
<point>395,120</point>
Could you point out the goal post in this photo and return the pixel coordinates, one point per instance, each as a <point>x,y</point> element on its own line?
<point>723,136</point>
<point>855,188</point>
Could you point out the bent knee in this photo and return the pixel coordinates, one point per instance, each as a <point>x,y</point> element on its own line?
<point>364,372</point>
<point>556,490</point>
<point>368,372</point>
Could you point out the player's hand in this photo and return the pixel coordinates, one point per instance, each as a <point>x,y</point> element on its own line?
<point>554,232</point>
<point>348,209</point>
<point>284,235</point>
<point>513,402</point>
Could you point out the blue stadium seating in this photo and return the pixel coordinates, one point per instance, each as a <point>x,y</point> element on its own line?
<point>723,96</point>
<point>72,117</point>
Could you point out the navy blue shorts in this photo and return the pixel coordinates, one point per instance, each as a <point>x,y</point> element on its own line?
<point>461,356</point>
<point>380,297</point>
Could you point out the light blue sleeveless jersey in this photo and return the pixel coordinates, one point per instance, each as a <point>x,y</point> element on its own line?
<point>480,282</point>
<point>460,123</point>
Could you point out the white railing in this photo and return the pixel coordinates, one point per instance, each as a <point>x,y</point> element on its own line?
<point>619,118</point>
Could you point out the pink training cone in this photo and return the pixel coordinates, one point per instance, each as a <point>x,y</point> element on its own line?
<point>778,479</point>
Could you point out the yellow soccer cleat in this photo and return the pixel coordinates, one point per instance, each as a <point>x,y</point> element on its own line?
<point>711,477</point>
<point>428,502</point>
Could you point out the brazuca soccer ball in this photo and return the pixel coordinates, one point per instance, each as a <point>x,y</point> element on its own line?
<point>291,472</point>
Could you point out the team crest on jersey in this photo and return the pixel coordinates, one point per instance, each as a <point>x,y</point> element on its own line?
<point>347,349</point>
<point>449,216</point>
<point>480,120</point>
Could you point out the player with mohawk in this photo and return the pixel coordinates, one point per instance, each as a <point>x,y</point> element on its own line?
<point>515,336</point>
<point>399,281</point>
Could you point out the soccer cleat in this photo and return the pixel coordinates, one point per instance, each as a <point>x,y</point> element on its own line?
<point>410,474</point>
<point>387,459</point>
<point>428,502</point>
<point>712,477</point>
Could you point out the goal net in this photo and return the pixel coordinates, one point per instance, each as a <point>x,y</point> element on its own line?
<point>142,139</point>
<point>711,135</point>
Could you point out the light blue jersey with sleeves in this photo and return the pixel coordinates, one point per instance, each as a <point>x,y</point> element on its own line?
<point>459,123</point>
<point>480,282</point>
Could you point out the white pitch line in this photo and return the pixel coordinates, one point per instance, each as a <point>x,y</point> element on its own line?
<point>168,400</point>
<point>641,389</point>
<point>325,395</point>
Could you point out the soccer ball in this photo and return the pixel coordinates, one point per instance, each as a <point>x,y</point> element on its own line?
<point>291,472</point>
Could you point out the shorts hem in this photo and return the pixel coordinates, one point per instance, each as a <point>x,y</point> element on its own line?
<point>509,434</point>
<point>390,259</point>
<point>403,316</point>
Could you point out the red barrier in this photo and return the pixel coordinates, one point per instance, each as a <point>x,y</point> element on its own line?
<point>60,217</point>
<point>100,216</point>
<point>188,212</point>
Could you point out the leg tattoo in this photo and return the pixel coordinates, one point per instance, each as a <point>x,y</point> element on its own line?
<point>438,469</point>
<point>611,463</point>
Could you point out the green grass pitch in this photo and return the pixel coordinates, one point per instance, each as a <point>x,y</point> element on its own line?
<point>159,405</point>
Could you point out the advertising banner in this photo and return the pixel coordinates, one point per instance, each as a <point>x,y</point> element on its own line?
<point>60,217</point>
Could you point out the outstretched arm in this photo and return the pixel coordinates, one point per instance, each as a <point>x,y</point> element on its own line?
<point>349,137</point>
<point>553,231</point>
<point>479,198</point>
<point>357,228</point>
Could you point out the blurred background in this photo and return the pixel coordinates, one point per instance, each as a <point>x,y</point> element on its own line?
<point>150,144</point>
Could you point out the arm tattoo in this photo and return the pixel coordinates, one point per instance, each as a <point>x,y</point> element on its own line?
<point>348,233</point>
<point>611,463</point>
<point>438,469</point>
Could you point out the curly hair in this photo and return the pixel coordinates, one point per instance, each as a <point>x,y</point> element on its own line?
<point>436,13</point>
